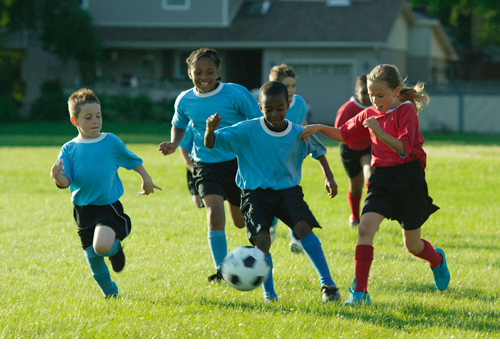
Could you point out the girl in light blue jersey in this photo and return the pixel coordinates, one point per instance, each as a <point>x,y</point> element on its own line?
<point>296,114</point>
<point>214,170</point>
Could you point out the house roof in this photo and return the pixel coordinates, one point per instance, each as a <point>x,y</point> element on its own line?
<point>285,24</point>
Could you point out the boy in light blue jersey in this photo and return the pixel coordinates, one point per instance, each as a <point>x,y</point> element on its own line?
<point>186,147</point>
<point>269,172</point>
<point>296,113</point>
<point>88,165</point>
<point>214,171</point>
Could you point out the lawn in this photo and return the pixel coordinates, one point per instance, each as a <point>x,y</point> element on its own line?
<point>47,290</point>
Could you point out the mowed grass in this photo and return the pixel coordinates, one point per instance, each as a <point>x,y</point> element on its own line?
<point>46,289</point>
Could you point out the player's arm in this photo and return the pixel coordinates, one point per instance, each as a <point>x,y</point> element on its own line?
<point>212,123</point>
<point>148,186</point>
<point>330,184</point>
<point>391,141</point>
<point>331,132</point>
<point>176,135</point>
<point>56,173</point>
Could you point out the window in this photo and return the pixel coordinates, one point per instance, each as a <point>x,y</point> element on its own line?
<point>176,5</point>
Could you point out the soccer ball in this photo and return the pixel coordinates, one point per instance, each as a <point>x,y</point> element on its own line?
<point>245,268</point>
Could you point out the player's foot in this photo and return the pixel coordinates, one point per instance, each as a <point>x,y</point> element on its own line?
<point>357,297</point>
<point>296,246</point>
<point>441,273</point>
<point>352,222</point>
<point>330,293</point>
<point>118,260</point>
<point>217,277</point>
<point>113,295</point>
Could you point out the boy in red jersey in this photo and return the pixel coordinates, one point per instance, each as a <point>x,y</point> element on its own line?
<point>398,190</point>
<point>356,156</point>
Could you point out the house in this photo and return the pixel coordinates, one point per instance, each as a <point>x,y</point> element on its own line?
<point>327,42</point>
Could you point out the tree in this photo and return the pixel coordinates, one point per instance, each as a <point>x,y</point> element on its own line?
<point>474,23</point>
<point>64,29</point>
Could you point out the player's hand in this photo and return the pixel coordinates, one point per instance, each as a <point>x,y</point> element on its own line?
<point>373,125</point>
<point>148,188</point>
<point>309,130</point>
<point>331,187</point>
<point>56,169</point>
<point>167,148</point>
<point>213,122</point>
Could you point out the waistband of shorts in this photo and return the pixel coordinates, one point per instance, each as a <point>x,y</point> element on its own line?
<point>94,206</point>
<point>402,167</point>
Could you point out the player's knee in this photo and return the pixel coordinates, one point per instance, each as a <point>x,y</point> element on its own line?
<point>365,230</point>
<point>301,230</point>
<point>101,248</point>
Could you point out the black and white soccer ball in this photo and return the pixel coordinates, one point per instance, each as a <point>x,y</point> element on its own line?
<point>245,268</point>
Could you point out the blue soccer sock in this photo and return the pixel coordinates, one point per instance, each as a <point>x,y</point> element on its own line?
<point>268,286</point>
<point>218,246</point>
<point>100,272</point>
<point>312,247</point>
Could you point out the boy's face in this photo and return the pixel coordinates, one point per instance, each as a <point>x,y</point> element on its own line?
<point>204,74</point>
<point>291,86</point>
<point>362,94</point>
<point>89,121</point>
<point>274,109</point>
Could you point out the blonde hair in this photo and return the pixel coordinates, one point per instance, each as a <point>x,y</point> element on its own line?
<point>79,98</point>
<point>389,74</point>
<point>280,72</point>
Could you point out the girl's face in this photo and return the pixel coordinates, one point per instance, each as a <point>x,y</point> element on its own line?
<point>291,85</point>
<point>382,97</point>
<point>204,74</point>
<point>362,95</point>
<point>89,121</point>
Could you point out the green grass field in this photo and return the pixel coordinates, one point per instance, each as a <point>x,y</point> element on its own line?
<point>46,289</point>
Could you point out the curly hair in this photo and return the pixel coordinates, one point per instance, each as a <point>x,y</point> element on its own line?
<point>280,72</point>
<point>204,52</point>
<point>79,98</point>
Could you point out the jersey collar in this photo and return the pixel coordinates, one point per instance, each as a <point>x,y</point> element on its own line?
<point>276,134</point>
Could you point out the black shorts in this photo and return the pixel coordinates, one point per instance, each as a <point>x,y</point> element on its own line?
<point>400,193</point>
<point>218,178</point>
<point>190,183</point>
<point>351,159</point>
<point>87,217</point>
<point>260,206</point>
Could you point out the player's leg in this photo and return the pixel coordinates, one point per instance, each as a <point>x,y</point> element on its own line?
<point>106,244</point>
<point>236,216</point>
<point>365,162</point>
<point>100,272</point>
<point>216,221</point>
<point>423,249</point>
<point>354,194</point>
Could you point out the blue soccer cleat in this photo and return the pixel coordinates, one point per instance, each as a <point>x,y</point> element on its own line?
<point>357,297</point>
<point>441,273</point>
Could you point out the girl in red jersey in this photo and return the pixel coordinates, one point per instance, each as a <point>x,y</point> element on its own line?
<point>398,190</point>
<point>356,157</point>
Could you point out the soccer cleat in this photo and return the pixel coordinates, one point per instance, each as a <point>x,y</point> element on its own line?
<point>217,277</point>
<point>113,295</point>
<point>330,293</point>
<point>441,273</point>
<point>296,246</point>
<point>352,222</point>
<point>357,297</point>
<point>118,260</point>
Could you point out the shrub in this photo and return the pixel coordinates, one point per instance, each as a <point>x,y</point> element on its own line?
<point>8,111</point>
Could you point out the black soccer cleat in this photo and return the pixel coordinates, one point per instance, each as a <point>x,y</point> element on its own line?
<point>217,277</point>
<point>330,293</point>
<point>118,260</point>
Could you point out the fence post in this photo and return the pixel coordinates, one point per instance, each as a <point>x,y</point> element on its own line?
<point>461,93</point>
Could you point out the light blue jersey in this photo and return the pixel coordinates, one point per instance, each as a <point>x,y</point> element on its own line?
<point>187,141</point>
<point>233,102</point>
<point>267,159</point>
<point>91,166</point>
<point>297,111</point>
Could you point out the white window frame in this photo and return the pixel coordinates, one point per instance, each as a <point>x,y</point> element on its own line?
<point>169,7</point>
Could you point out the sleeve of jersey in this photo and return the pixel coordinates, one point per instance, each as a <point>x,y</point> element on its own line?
<point>180,119</point>
<point>248,105</point>
<point>64,156</point>
<point>226,139</point>
<point>124,157</point>
<point>315,147</point>
<point>354,130</point>
<point>187,141</point>
<point>408,123</point>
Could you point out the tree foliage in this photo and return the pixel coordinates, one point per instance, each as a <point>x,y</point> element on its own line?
<point>63,27</point>
<point>473,22</point>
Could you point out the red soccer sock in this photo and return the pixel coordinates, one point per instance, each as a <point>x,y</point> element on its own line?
<point>363,258</point>
<point>354,201</point>
<point>367,186</point>
<point>430,255</point>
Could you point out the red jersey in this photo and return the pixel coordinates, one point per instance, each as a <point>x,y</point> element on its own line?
<point>346,112</point>
<point>401,123</point>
